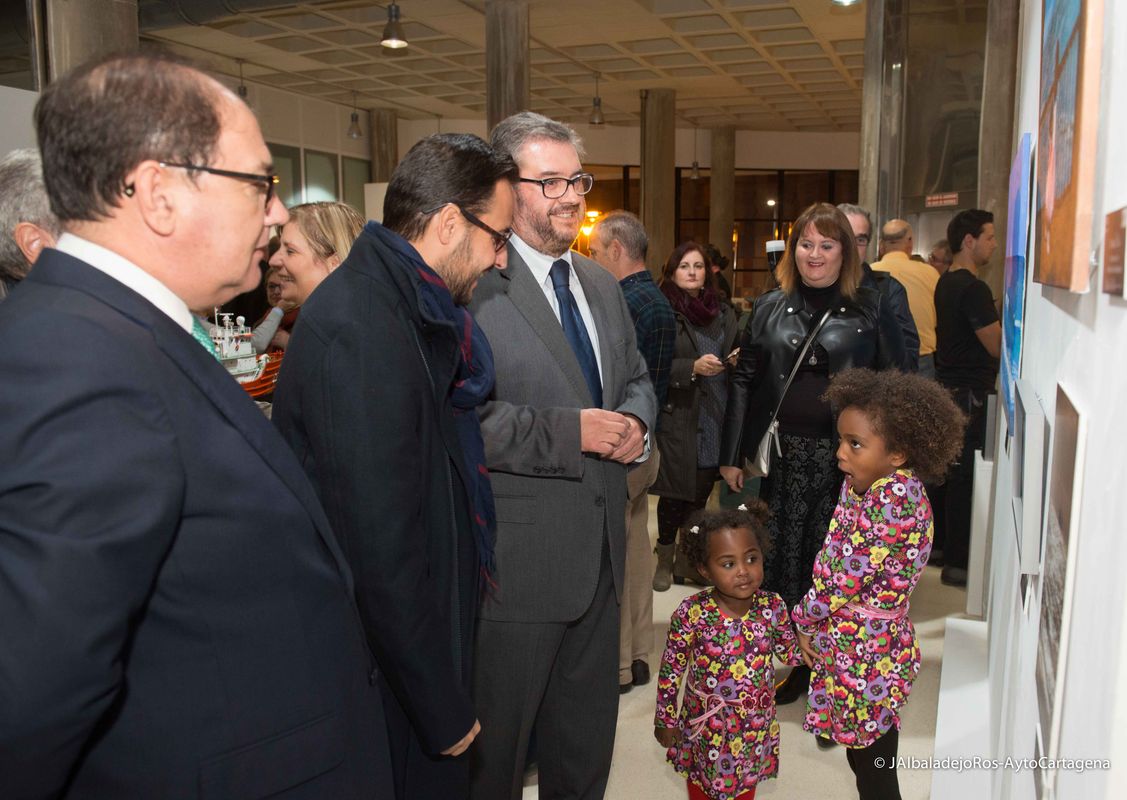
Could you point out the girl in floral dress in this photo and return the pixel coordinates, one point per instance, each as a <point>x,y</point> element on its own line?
<point>722,641</point>
<point>895,431</point>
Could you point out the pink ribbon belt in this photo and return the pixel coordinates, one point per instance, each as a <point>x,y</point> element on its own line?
<point>891,614</point>
<point>714,703</point>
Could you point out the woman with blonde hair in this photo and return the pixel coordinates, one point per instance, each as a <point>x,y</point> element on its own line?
<point>818,322</point>
<point>314,243</point>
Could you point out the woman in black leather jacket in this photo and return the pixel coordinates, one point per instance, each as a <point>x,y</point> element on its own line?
<point>820,270</point>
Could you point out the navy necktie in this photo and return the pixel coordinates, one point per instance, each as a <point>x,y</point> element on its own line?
<point>576,331</point>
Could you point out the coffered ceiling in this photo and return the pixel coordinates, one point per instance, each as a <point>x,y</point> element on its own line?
<point>782,65</point>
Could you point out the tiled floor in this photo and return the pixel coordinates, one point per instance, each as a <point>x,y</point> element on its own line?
<point>639,769</point>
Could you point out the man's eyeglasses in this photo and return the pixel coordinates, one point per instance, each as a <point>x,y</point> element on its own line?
<point>499,239</point>
<point>555,188</point>
<point>269,181</point>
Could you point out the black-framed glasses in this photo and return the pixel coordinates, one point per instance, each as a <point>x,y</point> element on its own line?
<point>269,181</point>
<point>499,239</point>
<point>555,188</point>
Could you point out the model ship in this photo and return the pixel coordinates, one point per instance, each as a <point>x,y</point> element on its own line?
<point>232,339</point>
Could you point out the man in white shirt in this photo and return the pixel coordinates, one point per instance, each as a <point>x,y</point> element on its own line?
<point>570,408</point>
<point>177,612</point>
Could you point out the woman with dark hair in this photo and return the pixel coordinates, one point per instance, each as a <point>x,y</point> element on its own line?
<point>819,285</point>
<point>688,428</point>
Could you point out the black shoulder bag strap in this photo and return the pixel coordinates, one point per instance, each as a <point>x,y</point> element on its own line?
<point>798,362</point>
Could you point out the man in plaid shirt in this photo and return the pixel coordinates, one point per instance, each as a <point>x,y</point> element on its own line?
<point>619,243</point>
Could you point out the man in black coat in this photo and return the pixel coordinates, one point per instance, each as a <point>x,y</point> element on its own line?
<point>890,288</point>
<point>377,397</point>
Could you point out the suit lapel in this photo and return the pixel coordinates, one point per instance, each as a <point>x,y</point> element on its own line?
<point>200,367</point>
<point>530,301</point>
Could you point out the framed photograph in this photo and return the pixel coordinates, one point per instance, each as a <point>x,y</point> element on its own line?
<point>1057,576</point>
<point>1013,297</point>
<point>1068,119</point>
<point>1027,455</point>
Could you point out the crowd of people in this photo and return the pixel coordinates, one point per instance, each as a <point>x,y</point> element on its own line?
<point>431,565</point>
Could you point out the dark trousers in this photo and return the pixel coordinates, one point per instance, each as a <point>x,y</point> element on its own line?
<point>951,502</point>
<point>559,679</point>
<point>672,513</point>
<point>875,768</point>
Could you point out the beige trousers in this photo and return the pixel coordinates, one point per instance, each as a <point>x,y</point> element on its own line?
<point>636,630</point>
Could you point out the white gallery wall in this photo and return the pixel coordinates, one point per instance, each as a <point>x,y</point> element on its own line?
<point>1078,341</point>
<point>16,127</point>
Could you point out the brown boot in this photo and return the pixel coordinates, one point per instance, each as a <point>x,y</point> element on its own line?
<point>663,575</point>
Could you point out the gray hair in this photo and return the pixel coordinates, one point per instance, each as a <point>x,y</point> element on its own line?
<point>23,198</point>
<point>850,208</point>
<point>627,230</point>
<point>512,133</point>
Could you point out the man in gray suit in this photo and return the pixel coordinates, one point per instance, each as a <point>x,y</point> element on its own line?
<point>571,407</point>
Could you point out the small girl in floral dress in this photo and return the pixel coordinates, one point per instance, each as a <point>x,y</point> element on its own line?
<point>896,431</point>
<point>722,641</point>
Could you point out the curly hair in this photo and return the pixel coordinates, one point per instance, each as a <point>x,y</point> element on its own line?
<point>702,524</point>
<point>914,415</point>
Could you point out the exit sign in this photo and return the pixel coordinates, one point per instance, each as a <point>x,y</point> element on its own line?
<point>940,200</point>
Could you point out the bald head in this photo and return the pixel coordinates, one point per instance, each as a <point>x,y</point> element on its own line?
<point>896,235</point>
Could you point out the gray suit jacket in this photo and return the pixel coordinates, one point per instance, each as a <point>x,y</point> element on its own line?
<point>555,505</point>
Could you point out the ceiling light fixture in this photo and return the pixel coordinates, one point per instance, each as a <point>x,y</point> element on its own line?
<point>354,131</point>
<point>242,90</point>
<point>694,173</point>
<point>597,117</point>
<point>393,36</point>
<point>845,3</point>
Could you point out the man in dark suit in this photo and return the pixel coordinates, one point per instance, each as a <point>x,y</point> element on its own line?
<point>378,397</point>
<point>177,618</point>
<point>571,407</point>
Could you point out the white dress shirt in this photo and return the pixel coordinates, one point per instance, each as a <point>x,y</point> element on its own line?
<point>541,266</point>
<point>126,272</point>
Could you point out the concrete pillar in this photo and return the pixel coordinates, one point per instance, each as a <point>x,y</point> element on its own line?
<point>871,90</point>
<point>657,175</point>
<point>996,140</point>
<point>384,141</point>
<point>79,31</point>
<point>506,59</point>
<point>722,192</point>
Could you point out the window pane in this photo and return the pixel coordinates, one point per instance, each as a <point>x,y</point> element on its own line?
<point>321,179</point>
<point>846,189</point>
<point>752,274</point>
<point>15,52</point>
<point>287,164</point>
<point>357,172</point>
<point>801,189</point>
<point>606,193</point>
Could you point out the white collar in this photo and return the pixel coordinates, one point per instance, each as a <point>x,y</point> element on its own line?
<point>129,274</point>
<point>539,263</point>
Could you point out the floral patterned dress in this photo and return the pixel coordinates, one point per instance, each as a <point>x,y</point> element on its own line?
<point>729,674</point>
<point>856,611</point>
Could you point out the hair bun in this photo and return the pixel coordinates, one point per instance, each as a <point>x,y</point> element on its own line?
<point>757,509</point>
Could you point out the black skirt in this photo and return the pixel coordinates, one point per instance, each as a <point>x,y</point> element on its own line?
<point>801,492</point>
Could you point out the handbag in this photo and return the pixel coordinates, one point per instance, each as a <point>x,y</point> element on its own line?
<point>760,466</point>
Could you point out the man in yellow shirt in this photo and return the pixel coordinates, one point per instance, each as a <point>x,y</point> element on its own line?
<point>919,282</point>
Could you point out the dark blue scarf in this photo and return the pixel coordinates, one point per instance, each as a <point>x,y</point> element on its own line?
<point>472,383</point>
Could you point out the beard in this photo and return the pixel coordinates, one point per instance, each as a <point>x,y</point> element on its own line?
<point>459,273</point>
<point>546,237</point>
